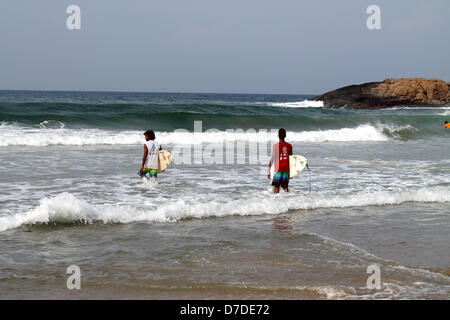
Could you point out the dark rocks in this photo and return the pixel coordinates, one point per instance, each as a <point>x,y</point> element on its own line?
<point>389,93</point>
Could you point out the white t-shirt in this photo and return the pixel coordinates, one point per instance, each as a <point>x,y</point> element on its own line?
<point>152,161</point>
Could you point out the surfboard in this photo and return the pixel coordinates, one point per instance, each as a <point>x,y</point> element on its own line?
<point>165,158</point>
<point>296,165</point>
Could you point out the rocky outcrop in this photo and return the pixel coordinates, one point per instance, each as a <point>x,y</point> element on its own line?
<point>389,93</point>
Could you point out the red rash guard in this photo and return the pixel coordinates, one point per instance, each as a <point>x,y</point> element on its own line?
<point>282,157</point>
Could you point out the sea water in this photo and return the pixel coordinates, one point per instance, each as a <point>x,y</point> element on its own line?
<point>70,195</point>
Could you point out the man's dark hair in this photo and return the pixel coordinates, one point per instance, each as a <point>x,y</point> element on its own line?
<point>150,134</point>
<point>282,133</point>
<point>446,122</point>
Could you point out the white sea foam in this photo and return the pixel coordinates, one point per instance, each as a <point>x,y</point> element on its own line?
<point>445,107</point>
<point>17,135</point>
<point>67,208</point>
<point>364,132</point>
<point>300,104</point>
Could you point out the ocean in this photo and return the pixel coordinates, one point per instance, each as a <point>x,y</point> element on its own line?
<point>377,196</point>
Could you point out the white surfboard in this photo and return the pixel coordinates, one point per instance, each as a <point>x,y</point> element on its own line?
<point>165,158</point>
<point>296,165</point>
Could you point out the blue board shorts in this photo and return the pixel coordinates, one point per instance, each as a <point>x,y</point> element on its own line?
<point>151,172</point>
<point>281,179</point>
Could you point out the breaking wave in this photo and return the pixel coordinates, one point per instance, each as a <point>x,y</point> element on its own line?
<point>301,104</point>
<point>67,208</point>
<point>18,135</point>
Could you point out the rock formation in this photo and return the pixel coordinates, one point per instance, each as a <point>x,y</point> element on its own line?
<point>389,93</point>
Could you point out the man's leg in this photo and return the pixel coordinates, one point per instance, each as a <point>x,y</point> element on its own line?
<point>142,173</point>
<point>276,182</point>
<point>153,174</point>
<point>285,181</point>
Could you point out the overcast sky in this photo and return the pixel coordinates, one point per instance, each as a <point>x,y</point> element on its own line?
<point>245,46</point>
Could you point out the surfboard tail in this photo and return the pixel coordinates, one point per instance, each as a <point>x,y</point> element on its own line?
<point>165,159</point>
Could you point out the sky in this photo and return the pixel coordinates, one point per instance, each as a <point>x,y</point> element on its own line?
<point>227,46</point>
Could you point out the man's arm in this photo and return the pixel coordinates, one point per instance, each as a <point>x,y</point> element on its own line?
<point>145,156</point>
<point>272,159</point>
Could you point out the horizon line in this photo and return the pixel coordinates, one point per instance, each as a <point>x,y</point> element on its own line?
<point>182,92</point>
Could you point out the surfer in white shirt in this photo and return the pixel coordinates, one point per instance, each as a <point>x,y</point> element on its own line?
<point>150,158</point>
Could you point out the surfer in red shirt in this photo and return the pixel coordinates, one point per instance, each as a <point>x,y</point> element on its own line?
<point>280,157</point>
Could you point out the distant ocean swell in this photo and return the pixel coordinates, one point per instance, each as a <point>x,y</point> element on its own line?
<point>295,116</point>
<point>46,119</point>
